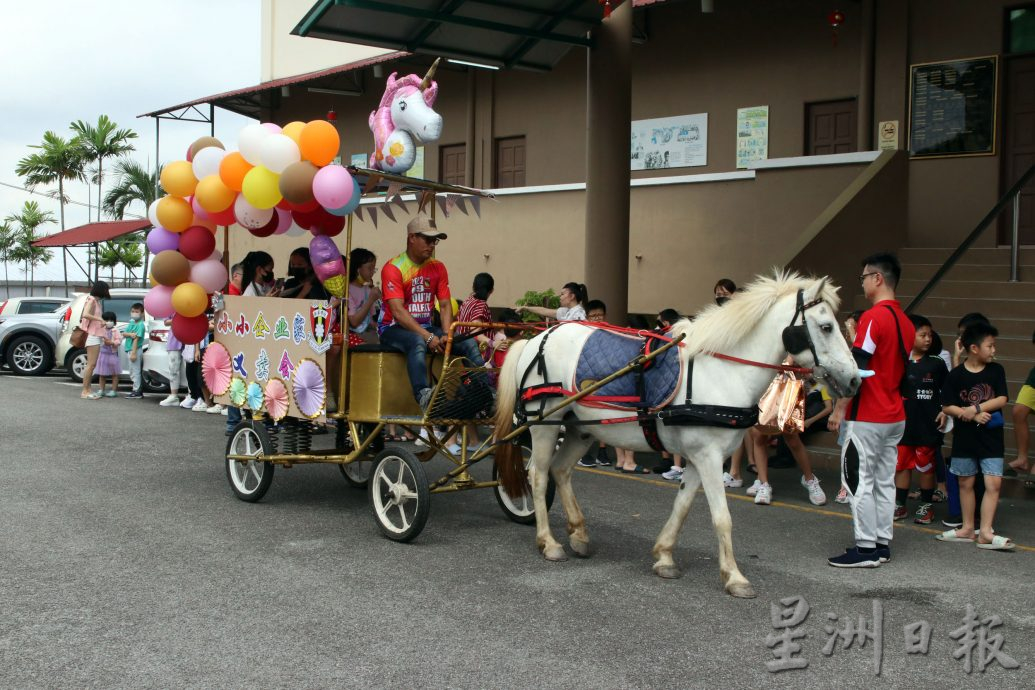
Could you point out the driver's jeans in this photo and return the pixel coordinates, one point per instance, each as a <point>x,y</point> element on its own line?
<point>416,351</point>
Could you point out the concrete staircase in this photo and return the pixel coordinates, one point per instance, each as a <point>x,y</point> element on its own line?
<point>979,283</point>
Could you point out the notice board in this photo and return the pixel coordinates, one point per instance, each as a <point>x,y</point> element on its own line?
<point>952,107</point>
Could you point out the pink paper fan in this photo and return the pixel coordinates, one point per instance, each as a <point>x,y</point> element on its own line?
<point>276,399</point>
<point>309,388</point>
<point>216,368</point>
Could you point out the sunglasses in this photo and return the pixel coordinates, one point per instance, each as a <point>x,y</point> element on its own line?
<point>430,240</point>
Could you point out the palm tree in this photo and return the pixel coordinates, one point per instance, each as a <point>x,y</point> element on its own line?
<point>8,241</point>
<point>58,160</point>
<point>133,184</point>
<point>30,218</point>
<point>125,252</point>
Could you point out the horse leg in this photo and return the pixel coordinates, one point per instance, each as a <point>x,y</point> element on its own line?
<point>733,580</point>
<point>664,565</point>
<point>544,440</point>
<point>563,464</point>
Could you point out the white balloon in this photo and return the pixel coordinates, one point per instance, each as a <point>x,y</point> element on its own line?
<point>295,230</point>
<point>215,256</point>
<point>249,142</point>
<point>206,161</point>
<point>249,216</point>
<point>152,213</point>
<point>278,151</point>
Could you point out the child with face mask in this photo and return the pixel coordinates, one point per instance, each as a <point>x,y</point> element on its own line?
<point>108,358</point>
<point>133,342</point>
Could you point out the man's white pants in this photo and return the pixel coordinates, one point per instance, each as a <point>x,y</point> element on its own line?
<point>868,459</point>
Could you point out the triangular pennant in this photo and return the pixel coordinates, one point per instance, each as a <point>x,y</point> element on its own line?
<point>442,204</point>
<point>393,189</point>
<point>476,204</point>
<point>372,212</point>
<point>450,202</point>
<point>372,183</point>
<point>359,212</point>
<point>461,205</point>
<point>398,201</point>
<point>425,198</point>
<point>387,210</point>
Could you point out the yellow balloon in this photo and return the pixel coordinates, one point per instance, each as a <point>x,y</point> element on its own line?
<point>261,187</point>
<point>293,130</point>
<point>178,178</point>
<point>174,214</point>
<point>213,195</point>
<point>151,279</point>
<point>189,299</point>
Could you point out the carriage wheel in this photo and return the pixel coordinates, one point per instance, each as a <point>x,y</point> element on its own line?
<point>522,510</point>
<point>357,472</point>
<point>399,494</point>
<point>252,478</point>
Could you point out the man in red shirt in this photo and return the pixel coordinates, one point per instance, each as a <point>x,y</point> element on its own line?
<point>875,418</point>
<point>410,284</point>
<point>236,273</point>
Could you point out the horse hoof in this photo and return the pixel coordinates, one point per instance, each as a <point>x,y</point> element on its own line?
<point>741,590</point>
<point>555,554</point>
<point>668,572</point>
<point>581,548</point>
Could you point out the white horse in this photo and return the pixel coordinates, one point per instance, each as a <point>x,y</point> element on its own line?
<point>750,326</point>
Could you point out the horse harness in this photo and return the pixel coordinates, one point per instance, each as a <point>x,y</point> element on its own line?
<point>796,338</point>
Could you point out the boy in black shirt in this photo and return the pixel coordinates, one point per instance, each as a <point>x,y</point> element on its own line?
<point>921,396</point>
<point>974,395</point>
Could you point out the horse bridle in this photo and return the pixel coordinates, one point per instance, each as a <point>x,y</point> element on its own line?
<point>798,338</point>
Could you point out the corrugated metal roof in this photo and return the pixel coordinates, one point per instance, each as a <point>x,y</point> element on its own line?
<point>92,233</point>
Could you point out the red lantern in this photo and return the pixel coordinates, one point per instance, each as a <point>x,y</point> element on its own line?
<point>836,18</point>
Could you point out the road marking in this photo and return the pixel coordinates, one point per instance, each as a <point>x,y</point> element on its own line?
<point>775,504</point>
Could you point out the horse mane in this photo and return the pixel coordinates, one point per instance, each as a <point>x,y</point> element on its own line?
<point>410,82</point>
<point>718,328</point>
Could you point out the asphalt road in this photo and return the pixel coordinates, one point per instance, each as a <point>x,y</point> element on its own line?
<point>127,562</point>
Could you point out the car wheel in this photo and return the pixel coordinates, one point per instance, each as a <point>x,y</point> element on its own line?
<point>154,385</point>
<point>29,355</point>
<point>75,363</point>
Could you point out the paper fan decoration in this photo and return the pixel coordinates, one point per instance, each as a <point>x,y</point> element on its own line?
<point>309,388</point>
<point>216,368</point>
<point>276,399</point>
<point>254,396</point>
<point>238,391</point>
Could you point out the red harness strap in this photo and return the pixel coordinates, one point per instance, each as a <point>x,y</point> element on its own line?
<point>803,371</point>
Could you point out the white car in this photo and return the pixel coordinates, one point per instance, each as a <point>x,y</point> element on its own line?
<point>31,305</point>
<point>156,357</point>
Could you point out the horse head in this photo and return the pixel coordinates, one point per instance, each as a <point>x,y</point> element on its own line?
<point>411,100</point>
<point>817,341</point>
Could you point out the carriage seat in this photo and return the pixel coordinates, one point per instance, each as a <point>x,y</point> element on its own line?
<point>373,347</point>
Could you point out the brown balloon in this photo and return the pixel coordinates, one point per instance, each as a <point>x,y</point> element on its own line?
<point>296,182</point>
<point>170,268</point>
<point>203,143</point>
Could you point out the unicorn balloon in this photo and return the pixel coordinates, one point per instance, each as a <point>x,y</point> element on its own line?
<point>403,120</point>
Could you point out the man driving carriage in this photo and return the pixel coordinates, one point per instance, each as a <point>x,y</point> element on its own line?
<point>410,284</point>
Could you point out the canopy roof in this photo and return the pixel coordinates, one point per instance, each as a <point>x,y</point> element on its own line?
<point>92,233</point>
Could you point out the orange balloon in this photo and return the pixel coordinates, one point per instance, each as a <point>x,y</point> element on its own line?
<point>293,131</point>
<point>213,195</point>
<point>232,170</point>
<point>210,224</point>
<point>319,142</point>
<point>174,214</point>
<point>178,178</point>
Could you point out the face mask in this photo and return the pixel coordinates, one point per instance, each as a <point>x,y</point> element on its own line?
<point>721,300</point>
<point>297,273</point>
<point>109,324</point>
<point>135,316</point>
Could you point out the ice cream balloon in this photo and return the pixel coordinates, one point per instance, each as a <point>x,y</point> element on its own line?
<point>328,265</point>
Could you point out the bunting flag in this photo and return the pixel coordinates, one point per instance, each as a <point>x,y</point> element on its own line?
<point>461,205</point>
<point>476,204</point>
<point>372,212</point>
<point>442,204</point>
<point>359,212</point>
<point>451,201</point>
<point>398,201</point>
<point>393,190</point>
<point>425,198</point>
<point>387,210</point>
<point>372,183</point>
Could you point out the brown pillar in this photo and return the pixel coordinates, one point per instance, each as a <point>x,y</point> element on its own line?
<point>865,123</point>
<point>608,116</point>
<point>469,140</point>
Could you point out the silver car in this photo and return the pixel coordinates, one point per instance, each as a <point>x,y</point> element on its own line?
<point>28,341</point>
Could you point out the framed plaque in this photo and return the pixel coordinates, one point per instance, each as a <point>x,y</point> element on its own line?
<point>952,107</point>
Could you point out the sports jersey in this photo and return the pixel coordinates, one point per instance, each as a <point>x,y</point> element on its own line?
<point>417,285</point>
<point>879,400</point>
<point>922,399</point>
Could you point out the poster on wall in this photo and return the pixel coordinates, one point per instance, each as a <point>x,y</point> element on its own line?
<point>669,142</point>
<point>752,135</point>
<point>952,107</point>
<point>359,160</point>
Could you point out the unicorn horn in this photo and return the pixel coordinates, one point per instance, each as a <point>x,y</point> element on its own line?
<point>426,81</point>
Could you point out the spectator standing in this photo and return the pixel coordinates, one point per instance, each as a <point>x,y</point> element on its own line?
<point>1021,409</point>
<point>573,298</point>
<point>92,321</point>
<point>176,373</point>
<point>108,365</point>
<point>133,342</point>
<point>724,289</point>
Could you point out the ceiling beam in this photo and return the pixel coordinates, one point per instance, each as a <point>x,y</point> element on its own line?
<point>529,43</point>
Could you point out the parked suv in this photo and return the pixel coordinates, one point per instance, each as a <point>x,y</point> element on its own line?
<point>31,305</point>
<point>120,302</point>
<point>28,341</point>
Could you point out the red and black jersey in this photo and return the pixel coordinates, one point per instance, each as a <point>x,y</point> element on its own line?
<point>879,400</point>
<point>922,398</point>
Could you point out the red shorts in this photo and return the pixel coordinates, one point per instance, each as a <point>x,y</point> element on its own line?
<point>919,458</point>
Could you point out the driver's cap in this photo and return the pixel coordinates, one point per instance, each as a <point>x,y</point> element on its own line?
<point>424,225</point>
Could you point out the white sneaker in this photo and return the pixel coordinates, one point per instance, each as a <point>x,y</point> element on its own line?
<point>199,406</point>
<point>674,473</point>
<point>731,482</point>
<point>816,494</point>
<point>188,403</point>
<point>763,494</point>
<point>753,489</point>
<point>842,495</point>
<point>454,448</point>
<point>215,408</point>
<point>223,411</point>
<point>171,401</point>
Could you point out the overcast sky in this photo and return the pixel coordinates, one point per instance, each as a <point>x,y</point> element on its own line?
<point>67,60</point>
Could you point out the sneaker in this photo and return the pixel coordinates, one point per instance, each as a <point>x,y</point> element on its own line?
<point>924,514</point>
<point>939,496</point>
<point>753,489</point>
<point>583,462</point>
<point>225,412</point>
<point>816,495</point>
<point>215,408</point>
<point>422,439</point>
<point>763,494</point>
<point>189,403</point>
<point>111,394</point>
<point>884,553</point>
<point>900,513</point>
<point>199,406</point>
<point>454,448</point>
<point>134,395</point>
<point>424,398</point>
<point>602,459</point>
<point>674,473</point>
<point>853,558</point>
<point>731,482</point>
<point>842,495</point>
<point>955,521</point>
<point>171,401</point>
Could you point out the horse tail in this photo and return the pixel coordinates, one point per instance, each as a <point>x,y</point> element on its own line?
<point>509,463</point>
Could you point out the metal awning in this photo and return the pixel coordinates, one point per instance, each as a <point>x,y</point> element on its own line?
<point>92,233</point>
<point>521,34</point>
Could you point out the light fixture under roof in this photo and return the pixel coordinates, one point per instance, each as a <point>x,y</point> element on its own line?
<point>479,65</point>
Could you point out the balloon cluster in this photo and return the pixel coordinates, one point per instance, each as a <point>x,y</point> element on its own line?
<point>279,180</point>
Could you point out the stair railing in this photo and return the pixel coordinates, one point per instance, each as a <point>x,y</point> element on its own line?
<point>1013,197</point>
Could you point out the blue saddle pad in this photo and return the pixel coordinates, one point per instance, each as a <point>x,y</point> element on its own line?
<point>605,352</point>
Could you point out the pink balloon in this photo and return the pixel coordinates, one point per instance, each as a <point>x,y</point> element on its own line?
<point>209,274</point>
<point>198,211</point>
<point>283,221</point>
<point>276,129</point>
<point>158,302</point>
<point>333,186</point>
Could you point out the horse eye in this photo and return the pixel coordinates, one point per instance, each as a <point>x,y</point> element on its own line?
<point>826,328</point>
<point>402,105</point>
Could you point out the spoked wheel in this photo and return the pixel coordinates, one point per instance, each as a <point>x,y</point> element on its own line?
<point>357,472</point>
<point>522,509</point>
<point>249,479</point>
<point>399,494</point>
